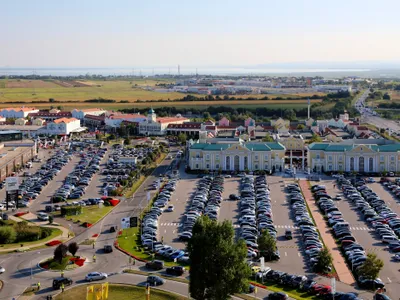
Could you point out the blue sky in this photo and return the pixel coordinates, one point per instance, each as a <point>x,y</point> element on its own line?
<point>202,33</point>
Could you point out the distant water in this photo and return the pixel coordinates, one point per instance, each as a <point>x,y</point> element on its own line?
<point>172,71</point>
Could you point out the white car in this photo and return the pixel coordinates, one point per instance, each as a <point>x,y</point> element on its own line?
<point>95,276</point>
<point>2,270</point>
<point>43,216</point>
<point>170,208</point>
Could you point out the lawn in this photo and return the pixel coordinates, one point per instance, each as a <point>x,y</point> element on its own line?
<point>91,214</point>
<point>55,233</point>
<point>129,241</point>
<point>120,292</point>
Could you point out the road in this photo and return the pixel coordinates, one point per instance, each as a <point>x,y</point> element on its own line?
<point>368,117</point>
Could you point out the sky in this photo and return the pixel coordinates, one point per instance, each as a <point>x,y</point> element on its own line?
<point>206,33</point>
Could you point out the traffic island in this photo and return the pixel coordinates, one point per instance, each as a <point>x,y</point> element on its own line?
<point>68,263</point>
<point>117,291</point>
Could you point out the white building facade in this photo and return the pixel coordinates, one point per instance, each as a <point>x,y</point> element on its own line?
<point>21,112</point>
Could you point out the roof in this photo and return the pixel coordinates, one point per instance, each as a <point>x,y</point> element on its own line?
<point>65,120</point>
<point>170,119</point>
<point>20,108</point>
<point>251,146</point>
<point>126,116</point>
<point>337,147</point>
<point>49,114</point>
<point>362,128</point>
<point>188,125</point>
<point>94,117</point>
<point>87,110</point>
<point>9,132</point>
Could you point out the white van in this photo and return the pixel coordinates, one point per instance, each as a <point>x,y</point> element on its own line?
<point>340,225</point>
<point>389,239</point>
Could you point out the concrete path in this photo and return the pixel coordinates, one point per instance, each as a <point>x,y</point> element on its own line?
<point>339,263</point>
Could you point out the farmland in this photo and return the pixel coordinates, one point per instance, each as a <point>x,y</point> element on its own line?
<point>79,90</point>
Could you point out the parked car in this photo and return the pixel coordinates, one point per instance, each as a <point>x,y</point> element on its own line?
<point>175,270</point>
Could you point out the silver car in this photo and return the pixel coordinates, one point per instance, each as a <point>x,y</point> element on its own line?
<point>95,276</point>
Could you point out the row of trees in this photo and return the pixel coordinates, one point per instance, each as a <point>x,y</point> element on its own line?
<point>61,251</point>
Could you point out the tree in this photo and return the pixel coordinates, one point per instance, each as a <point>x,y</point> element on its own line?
<point>324,261</point>
<point>301,127</point>
<point>182,138</point>
<point>267,138</point>
<point>371,267</point>
<point>60,252</point>
<point>289,114</point>
<point>51,100</point>
<point>266,244</point>
<point>127,142</point>
<point>218,265</point>
<point>315,138</point>
<point>73,248</point>
<point>386,96</point>
<point>7,234</point>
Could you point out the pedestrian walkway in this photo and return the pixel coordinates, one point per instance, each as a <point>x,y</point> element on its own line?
<point>339,263</point>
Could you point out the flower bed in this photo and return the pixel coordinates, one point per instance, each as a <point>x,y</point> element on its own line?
<point>95,235</point>
<point>54,243</point>
<point>20,214</point>
<point>87,225</point>
<point>78,261</point>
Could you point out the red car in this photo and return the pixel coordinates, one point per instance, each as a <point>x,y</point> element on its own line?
<point>320,288</point>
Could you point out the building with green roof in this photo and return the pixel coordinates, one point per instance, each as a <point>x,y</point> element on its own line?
<point>363,156</point>
<point>236,155</point>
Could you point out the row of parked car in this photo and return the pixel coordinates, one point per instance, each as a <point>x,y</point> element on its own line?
<point>75,184</point>
<point>33,185</point>
<point>205,200</point>
<point>303,284</point>
<point>354,253</point>
<point>149,226</point>
<point>256,214</point>
<point>310,236</point>
<point>375,211</point>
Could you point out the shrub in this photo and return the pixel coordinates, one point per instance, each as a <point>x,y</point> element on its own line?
<point>71,210</point>
<point>51,219</point>
<point>60,252</point>
<point>45,232</point>
<point>26,233</point>
<point>7,235</point>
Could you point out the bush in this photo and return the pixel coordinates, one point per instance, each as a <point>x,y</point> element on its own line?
<point>26,233</point>
<point>71,210</point>
<point>7,235</point>
<point>51,219</point>
<point>45,232</point>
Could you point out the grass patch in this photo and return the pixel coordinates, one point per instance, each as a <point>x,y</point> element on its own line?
<point>91,214</point>
<point>120,292</point>
<point>56,266</point>
<point>295,294</point>
<point>129,241</point>
<point>87,242</point>
<point>54,233</point>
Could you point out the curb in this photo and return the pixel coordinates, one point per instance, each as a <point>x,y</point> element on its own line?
<point>127,253</point>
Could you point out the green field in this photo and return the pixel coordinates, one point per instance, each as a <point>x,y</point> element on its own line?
<point>120,292</point>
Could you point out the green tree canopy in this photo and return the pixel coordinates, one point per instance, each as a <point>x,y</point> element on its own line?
<point>266,244</point>
<point>217,263</point>
<point>182,138</point>
<point>267,138</point>
<point>315,138</point>
<point>324,261</point>
<point>371,267</point>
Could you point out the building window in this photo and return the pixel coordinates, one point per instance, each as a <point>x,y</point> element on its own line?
<point>340,167</point>
<point>256,166</point>
<point>329,167</point>
<point>246,162</point>
<point>330,157</point>
<point>207,166</point>
<point>317,156</point>
<point>208,156</point>
<point>351,163</point>
<point>217,156</point>
<point>256,157</point>
<point>382,168</point>
<point>266,157</point>
<point>371,164</point>
<point>197,166</point>
<point>197,155</point>
<point>392,158</point>
<point>228,163</point>
<point>382,158</point>
<point>266,167</point>
<point>340,158</point>
<point>217,166</point>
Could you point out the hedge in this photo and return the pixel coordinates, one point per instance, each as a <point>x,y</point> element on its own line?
<point>71,210</point>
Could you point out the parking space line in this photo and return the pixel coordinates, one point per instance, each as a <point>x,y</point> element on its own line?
<point>298,253</point>
<point>389,280</point>
<point>285,253</point>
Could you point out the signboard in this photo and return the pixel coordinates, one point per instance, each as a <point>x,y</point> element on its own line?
<point>333,285</point>
<point>262,263</point>
<point>12,184</point>
<point>125,223</point>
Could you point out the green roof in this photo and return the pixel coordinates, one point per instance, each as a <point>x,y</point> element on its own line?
<point>337,147</point>
<point>250,146</point>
